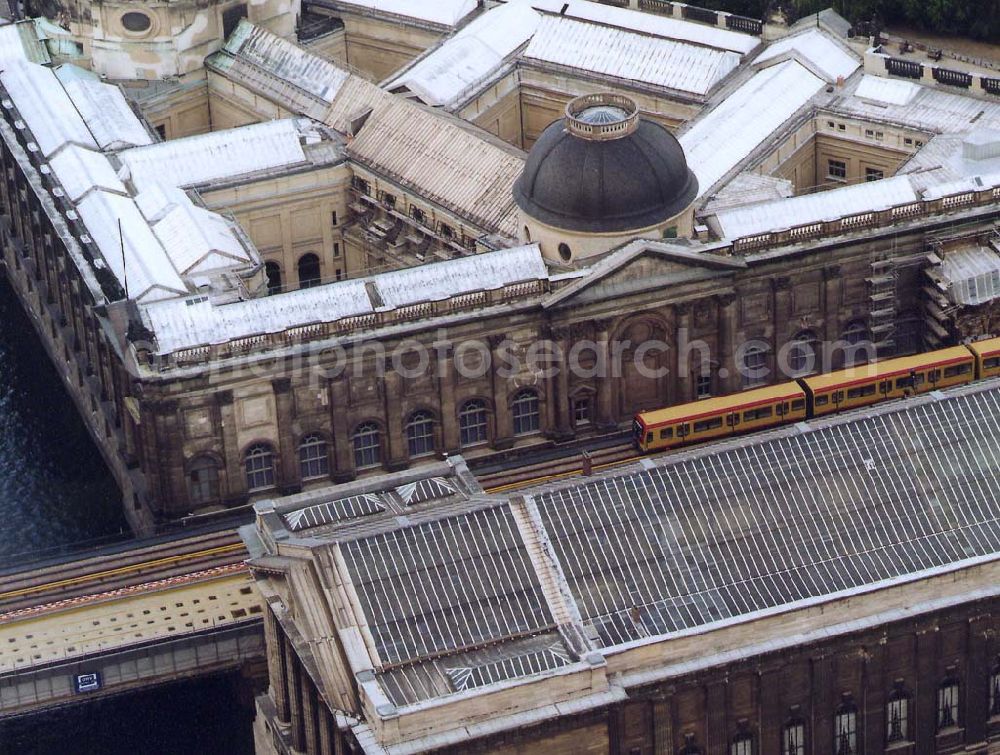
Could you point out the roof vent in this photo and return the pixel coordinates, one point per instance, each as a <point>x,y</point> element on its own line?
<point>602,116</point>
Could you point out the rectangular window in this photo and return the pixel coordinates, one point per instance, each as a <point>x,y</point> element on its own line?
<point>842,127</point>
<point>830,124</point>
<point>708,424</point>
<point>879,136</point>
<point>822,400</point>
<point>874,174</point>
<point>845,732</point>
<point>958,369</point>
<point>861,391</point>
<point>581,411</point>
<point>666,433</point>
<point>907,140</point>
<point>793,739</point>
<point>703,388</point>
<point>362,186</point>
<point>989,363</point>
<point>333,218</point>
<point>338,274</point>
<point>836,169</point>
<point>948,705</point>
<point>798,404</point>
<point>869,132</point>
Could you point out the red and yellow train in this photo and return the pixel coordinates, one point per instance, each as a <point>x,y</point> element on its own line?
<point>815,396</point>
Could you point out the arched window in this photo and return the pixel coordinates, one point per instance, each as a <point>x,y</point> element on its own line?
<point>897,716</point>
<point>367,445</point>
<point>308,270</point>
<point>947,704</point>
<point>793,738</point>
<point>273,272</point>
<point>802,354</point>
<point>742,744</point>
<point>203,480</point>
<point>314,458</point>
<point>258,461</point>
<point>754,367</point>
<point>856,332</point>
<point>420,434</point>
<point>995,691</point>
<point>473,422</point>
<point>845,730</point>
<point>524,409</point>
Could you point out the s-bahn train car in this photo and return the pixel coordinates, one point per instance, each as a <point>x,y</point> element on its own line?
<point>987,357</point>
<point>719,417</point>
<point>893,378</point>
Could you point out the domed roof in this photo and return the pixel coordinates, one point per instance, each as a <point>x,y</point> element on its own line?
<point>602,169</point>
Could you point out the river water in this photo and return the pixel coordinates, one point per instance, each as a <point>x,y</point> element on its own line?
<point>57,496</point>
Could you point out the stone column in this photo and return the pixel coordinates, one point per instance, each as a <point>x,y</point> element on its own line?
<point>925,695</point>
<point>606,415</point>
<point>559,385</point>
<point>682,356</point>
<point>284,411</point>
<point>395,438</point>
<point>297,715</point>
<point>450,441</point>
<point>327,731</point>
<point>663,728</point>
<point>235,478</point>
<point>831,303</point>
<point>729,378</point>
<point>310,714</point>
<point>503,436</point>
<point>276,669</point>
<point>343,443</point>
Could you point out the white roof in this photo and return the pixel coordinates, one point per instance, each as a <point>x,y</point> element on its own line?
<point>179,325</point>
<point>198,240</point>
<point>196,160</point>
<point>446,12</point>
<point>963,185</point>
<point>782,214</point>
<point>825,56</point>
<point>79,170</point>
<point>286,60</point>
<point>146,268</point>
<point>973,275</point>
<point>629,55</point>
<point>471,55</point>
<point>671,28</point>
<point>446,279</point>
<point>890,91</point>
<point>45,108</point>
<point>107,113</point>
<point>13,41</point>
<point>727,134</point>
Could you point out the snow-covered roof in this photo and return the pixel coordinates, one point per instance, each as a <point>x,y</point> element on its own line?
<point>962,185</point>
<point>197,160</point>
<point>198,240</point>
<point>444,12</point>
<point>80,170</point>
<point>783,214</point>
<point>917,106</point>
<point>443,161</point>
<point>471,55</point>
<point>648,23</point>
<point>19,41</point>
<point>726,135</point>
<point>107,114</point>
<point>183,324</point>
<point>146,269</point>
<point>44,107</point>
<point>634,56</point>
<point>825,56</point>
<point>285,60</point>
<point>889,91</point>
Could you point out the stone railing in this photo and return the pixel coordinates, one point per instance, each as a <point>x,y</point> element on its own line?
<point>316,331</point>
<point>702,15</point>
<point>872,219</point>
<point>878,62</point>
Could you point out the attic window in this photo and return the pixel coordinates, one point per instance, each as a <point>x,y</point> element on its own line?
<point>136,22</point>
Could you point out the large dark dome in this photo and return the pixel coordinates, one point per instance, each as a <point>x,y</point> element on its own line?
<point>602,169</point>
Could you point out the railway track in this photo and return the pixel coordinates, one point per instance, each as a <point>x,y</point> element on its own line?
<point>568,465</point>
<point>103,571</point>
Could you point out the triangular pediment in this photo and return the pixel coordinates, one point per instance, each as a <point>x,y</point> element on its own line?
<point>643,265</point>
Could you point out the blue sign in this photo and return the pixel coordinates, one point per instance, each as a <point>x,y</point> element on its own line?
<point>87,682</point>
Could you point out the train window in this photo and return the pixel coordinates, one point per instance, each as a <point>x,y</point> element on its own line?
<point>708,424</point>
<point>885,386</point>
<point>762,413</point>
<point>667,433</point>
<point>958,369</point>
<point>649,437</point>
<point>989,364</point>
<point>864,390</point>
<point>934,375</point>
<point>798,404</point>
<point>822,400</point>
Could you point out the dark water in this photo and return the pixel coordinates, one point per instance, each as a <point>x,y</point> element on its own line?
<point>188,718</point>
<point>56,495</point>
<point>55,490</point>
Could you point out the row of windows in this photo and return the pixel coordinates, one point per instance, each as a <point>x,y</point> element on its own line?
<point>898,721</point>
<point>837,170</point>
<point>420,216</point>
<point>314,451</point>
<point>308,268</point>
<point>876,135</point>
